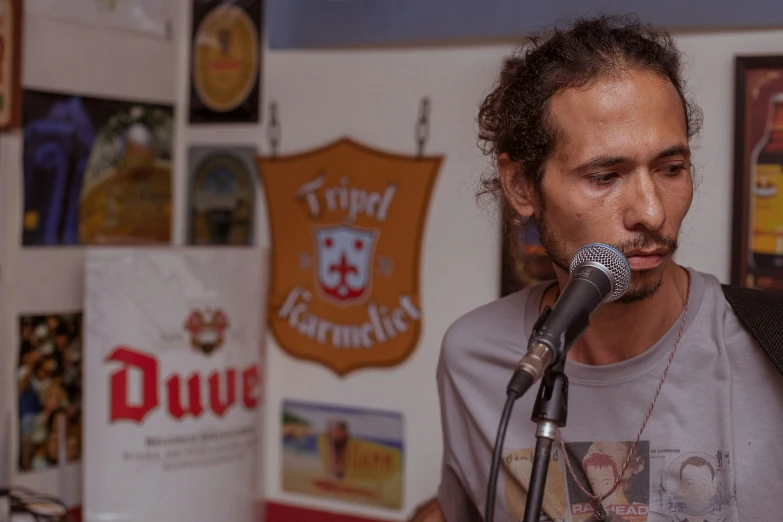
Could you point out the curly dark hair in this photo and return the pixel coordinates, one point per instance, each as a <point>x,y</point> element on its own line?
<point>514,118</point>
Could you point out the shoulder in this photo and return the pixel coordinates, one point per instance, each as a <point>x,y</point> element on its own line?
<point>490,333</point>
<point>751,327</point>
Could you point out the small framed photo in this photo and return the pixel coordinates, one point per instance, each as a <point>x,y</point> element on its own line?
<point>524,260</point>
<point>757,236</point>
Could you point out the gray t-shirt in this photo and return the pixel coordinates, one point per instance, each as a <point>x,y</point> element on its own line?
<point>711,450</point>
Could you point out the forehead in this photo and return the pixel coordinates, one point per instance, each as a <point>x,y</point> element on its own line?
<point>694,472</point>
<point>626,114</point>
<point>598,471</point>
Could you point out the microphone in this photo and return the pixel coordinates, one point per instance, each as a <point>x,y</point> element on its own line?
<point>598,274</point>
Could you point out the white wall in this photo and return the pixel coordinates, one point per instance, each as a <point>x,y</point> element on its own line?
<point>86,60</point>
<point>373,96</point>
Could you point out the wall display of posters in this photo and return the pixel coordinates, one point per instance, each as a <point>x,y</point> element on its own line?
<point>221,195</point>
<point>49,384</point>
<point>524,260</point>
<point>153,17</point>
<point>96,171</point>
<point>173,383</point>
<point>343,453</point>
<point>226,61</point>
<point>10,63</point>
<point>347,225</point>
<point>757,245</point>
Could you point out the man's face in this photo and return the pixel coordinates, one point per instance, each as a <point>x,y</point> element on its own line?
<point>696,487</point>
<point>601,479</point>
<point>619,174</point>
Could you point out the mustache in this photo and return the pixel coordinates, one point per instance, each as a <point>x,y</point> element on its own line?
<point>648,241</point>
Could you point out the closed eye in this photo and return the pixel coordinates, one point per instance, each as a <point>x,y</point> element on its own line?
<point>603,178</point>
<point>673,169</point>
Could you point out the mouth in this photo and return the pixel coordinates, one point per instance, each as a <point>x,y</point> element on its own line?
<point>646,259</point>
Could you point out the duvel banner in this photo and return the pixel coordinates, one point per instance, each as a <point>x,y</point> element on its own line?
<point>347,224</point>
<point>173,383</point>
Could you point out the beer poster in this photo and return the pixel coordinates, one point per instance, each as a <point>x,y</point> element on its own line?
<point>757,246</point>
<point>225,61</point>
<point>173,383</point>
<point>10,63</point>
<point>221,195</point>
<point>96,171</point>
<point>347,227</point>
<point>343,453</point>
<point>49,387</point>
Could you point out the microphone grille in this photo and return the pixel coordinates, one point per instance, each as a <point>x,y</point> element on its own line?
<point>612,260</point>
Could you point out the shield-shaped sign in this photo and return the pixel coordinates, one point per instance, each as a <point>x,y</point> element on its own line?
<point>347,223</point>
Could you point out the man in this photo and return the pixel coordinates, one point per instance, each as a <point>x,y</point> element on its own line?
<point>590,129</point>
<point>697,488</point>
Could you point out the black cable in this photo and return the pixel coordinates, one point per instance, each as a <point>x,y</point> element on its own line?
<point>519,384</point>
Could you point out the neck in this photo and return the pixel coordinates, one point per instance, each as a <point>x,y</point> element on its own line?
<point>621,331</point>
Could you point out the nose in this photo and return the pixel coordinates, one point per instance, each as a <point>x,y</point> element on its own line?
<point>643,203</point>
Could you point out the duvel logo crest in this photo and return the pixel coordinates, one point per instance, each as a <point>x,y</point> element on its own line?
<point>207,329</point>
<point>347,224</point>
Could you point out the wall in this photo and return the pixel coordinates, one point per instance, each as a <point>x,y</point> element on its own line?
<point>72,58</point>
<point>373,96</point>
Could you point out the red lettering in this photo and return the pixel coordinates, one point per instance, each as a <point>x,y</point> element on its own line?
<point>220,408</point>
<point>220,401</point>
<point>194,397</point>
<point>120,409</point>
<point>250,384</point>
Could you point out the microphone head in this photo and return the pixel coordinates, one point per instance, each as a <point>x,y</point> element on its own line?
<point>611,261</point>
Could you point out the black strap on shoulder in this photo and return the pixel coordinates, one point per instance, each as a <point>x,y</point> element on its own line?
<point>762,314</point>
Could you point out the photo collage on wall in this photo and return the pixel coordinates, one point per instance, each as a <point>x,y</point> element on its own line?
<point>98,171</point>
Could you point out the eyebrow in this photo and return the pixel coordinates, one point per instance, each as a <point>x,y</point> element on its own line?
<point>608,161</point>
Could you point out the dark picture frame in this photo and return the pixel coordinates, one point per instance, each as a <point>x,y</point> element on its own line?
<point>757,231</point>
<point>524,261</point>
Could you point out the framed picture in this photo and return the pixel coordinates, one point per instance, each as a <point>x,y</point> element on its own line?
<point>524,260</point>
<point>757,237</point>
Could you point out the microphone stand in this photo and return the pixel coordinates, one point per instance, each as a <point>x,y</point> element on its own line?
<point>549,411</point>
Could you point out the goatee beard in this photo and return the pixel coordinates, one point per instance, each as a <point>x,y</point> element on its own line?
<point>644,240</point>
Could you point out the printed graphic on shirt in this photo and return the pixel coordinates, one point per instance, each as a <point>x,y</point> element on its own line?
<point>692,486</point>
<point>659,485</point>
<point>519,465</point>
<point>597,466</point>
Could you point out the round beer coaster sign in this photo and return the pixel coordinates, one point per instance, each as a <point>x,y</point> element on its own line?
<point>225,58</point>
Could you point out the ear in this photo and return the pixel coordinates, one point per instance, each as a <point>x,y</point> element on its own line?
<point>519,190</point>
